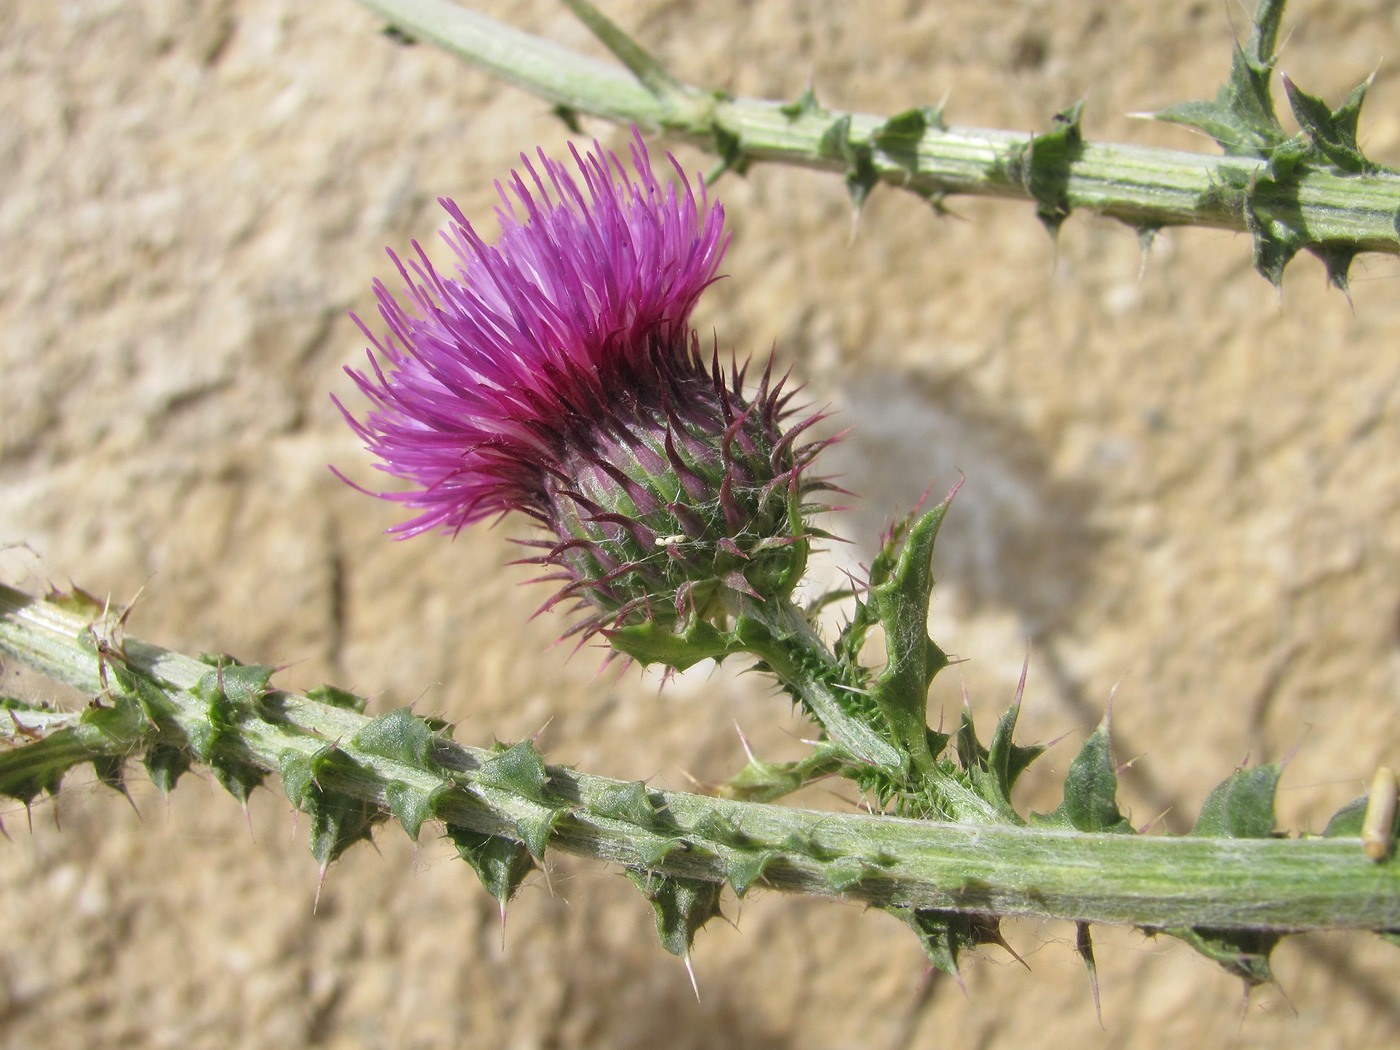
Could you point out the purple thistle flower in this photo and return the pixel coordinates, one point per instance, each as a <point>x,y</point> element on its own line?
<point>555,373</point>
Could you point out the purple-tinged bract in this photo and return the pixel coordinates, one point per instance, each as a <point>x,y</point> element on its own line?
<point>555,373</point>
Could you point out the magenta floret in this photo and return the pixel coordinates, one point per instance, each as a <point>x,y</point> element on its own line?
<point>482,372</point>
<point>556,373</point>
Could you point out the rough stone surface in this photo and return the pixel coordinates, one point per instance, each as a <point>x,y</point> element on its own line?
<point>1183,482</point>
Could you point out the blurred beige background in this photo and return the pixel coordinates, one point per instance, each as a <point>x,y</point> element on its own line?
<point>1181,480</point>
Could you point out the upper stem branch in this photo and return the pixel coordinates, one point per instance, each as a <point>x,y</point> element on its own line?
<point>1145,187</point>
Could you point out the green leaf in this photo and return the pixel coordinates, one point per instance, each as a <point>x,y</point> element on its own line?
<point>836,144</point>
<point>902,604</point>
<point>1346,822</point>
<point>1243,953</point>
<point>517,769</point>
<point>1091,789</point>
<point>993,771</point>
<point>329,694</point>
<point>165,764</point>
<point>761,781</point>
<point>653,849</point>
<point>1276,240</point>
<point>627,802</point>
<point>1242,807</point>
<point>1332,132</point>
<point>238,777</point>
<point>945,934</point>
<point>297,775</point>
<point>1043,166</point>
<point>719,828</point>
<point>653,643</point>
<point>804,105</point>
<point>238,684</point>
<point>1006,759</point>
<point>1241,118</point>
<point>899,137</point>
<point>682,906</point>
<point>412,805</point>
<point>742,868</point>
<point>111,771</point>
<point>730,151</point>
<point>519,772</point>
<point>338,821</point>
<point>844,872</point>
<point>569,117</point>
<point>400,736</point>
<point>500,863</point>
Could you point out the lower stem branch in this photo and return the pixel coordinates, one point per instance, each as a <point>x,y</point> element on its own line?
<point>1277,884</point>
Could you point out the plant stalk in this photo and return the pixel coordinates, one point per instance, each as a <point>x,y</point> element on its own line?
<point>1148,188</point>
<point>1278,884</point>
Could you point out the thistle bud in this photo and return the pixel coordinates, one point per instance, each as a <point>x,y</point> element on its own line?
<point>555,373</point>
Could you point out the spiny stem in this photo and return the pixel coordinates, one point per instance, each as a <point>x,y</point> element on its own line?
<point>1147,188</point>
<point>1272,884</point>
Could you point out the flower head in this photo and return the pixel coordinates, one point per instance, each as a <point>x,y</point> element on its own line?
<point>555,373</point>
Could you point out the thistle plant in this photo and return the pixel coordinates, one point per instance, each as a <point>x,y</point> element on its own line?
<point>553,376</point>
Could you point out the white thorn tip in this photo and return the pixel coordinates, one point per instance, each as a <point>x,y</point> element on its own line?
<point>690,969</point>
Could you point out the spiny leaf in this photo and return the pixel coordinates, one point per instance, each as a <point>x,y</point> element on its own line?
<point>742,868</point>
<point>165,764</point>
<point>761,781</point>
<point>238,778</point>
<point>1276,241</point>
<point>805,843</point>
<point>844,872</point>
<point>1043,166</point>
<point>154,705</point>
<point>1332,131</point>
<point>901,602</point>
<point>536,824</point>
<point>1346,822</point>
<point>628,802</point>
<point>518,769</point>
<point>297,775</point>
<point>1243,953</point>
<point>652,643</point>
<point>77,601</point>
<point>1006,759</point>
<point>836,144</point>
<point>945,934</point>
<point>719,828</point>
<point>1242,807</point>
<point>520,772</point>
<point>653,849</point>
<point>569,117</point>
<point>899,137</point>
<point>342,698</point>
<point>500,863</point>
<point>993,771</point>
<point>882,566</point>
<point>338,819</point>
<point>412,805</point>
<point>804,105</point>
<point>1241,117</point>
<point>1084,948</point>
<point>239,684</point>
<point>682,906</point>
<point>729,150</point>
<point>400,736</point>
<point>1091,789</point>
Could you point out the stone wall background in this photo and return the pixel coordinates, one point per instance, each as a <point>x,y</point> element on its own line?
<point>1180,482</point>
